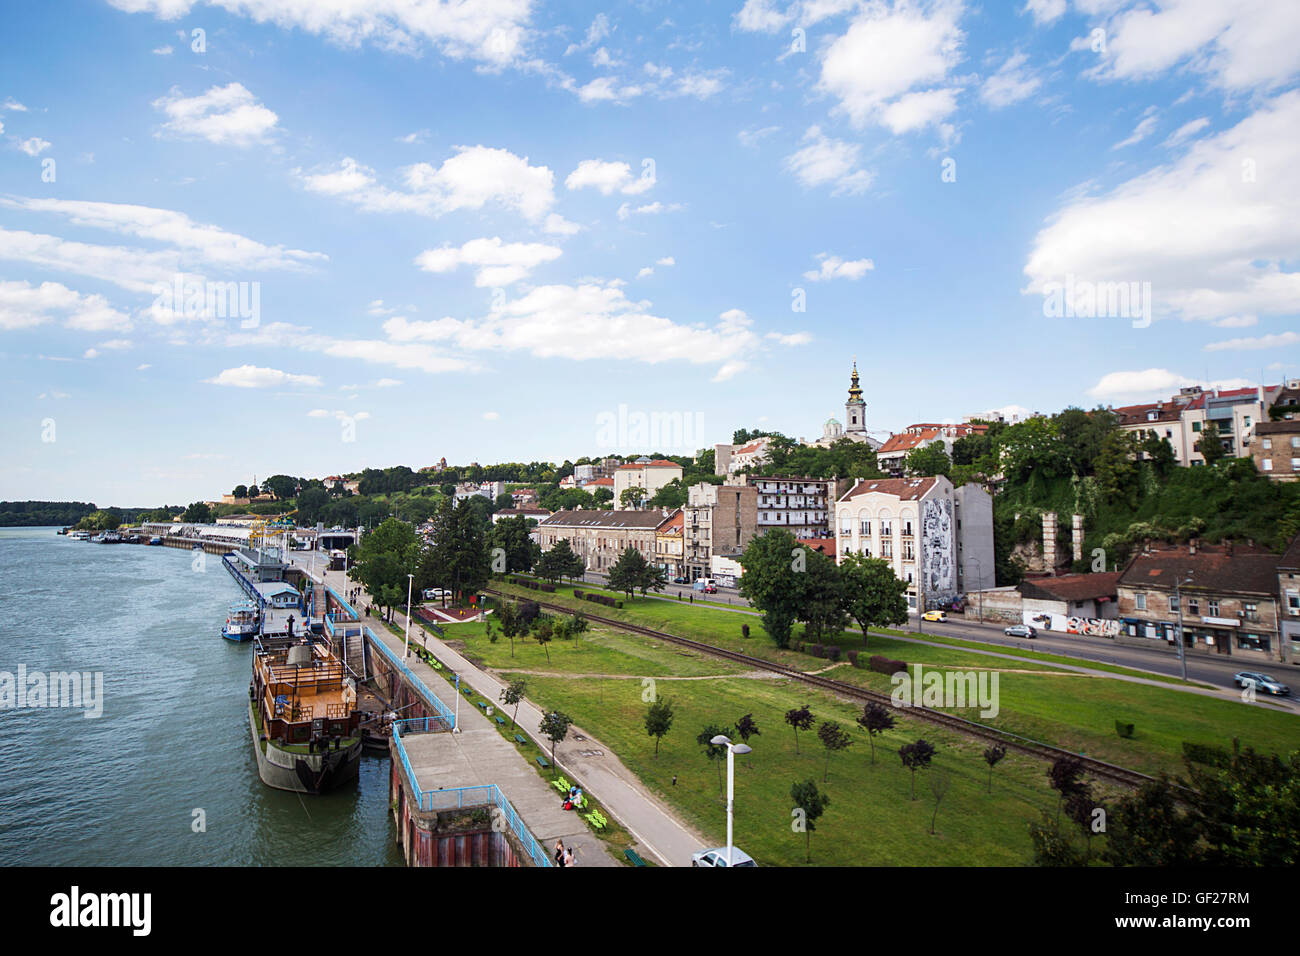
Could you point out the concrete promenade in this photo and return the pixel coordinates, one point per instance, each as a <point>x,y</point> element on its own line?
<point>659,834</point>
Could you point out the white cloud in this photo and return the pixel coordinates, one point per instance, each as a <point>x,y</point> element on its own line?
<point>1145,127</point>
<point>557,225</point>
<point>498,263</point>
<point>162,51</point>
<point>1187,131</point>
<point>729,370</point>
<point>760,16</point>
<point>649,209</point>
<point>1237,44</point>
<point>494,32</point>
<point>833,267</point>
<point>826,161</point>
<point>1010,84</point>
<point>33,146</point>
<point>12,104</point>
<point>790,339</point>
<point>1149,383</point>
<point>645,271</point>
<point>606,177</point>
<point>666,261</point>
<point>226,115</point>
<point>474,177</point>
<point>491,416</point>
<point>750,138</point>
<point>891,66</point>
<point>1214,232</point>
<point>253,376</point>
<point>1275,341</point>
<point>1045,11</point>
<point>23,305</point>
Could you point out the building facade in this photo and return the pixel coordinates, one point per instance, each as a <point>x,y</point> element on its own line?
<point>801,506</point>
<point>919,526</point>
<point>892,455</point>
<point>643,473</point>
<point>1276,449</point>
<point>718,520</point>
<point>599,537</point>
<point>669,538</point>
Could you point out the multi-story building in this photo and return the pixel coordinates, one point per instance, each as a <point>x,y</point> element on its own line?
<point>729,459</point>
<point>645,474</point>
<point>1288,594</point>
<point>1275,449</point>
<point>892,455</point>
<point>491,490</point>
<point>801,506</point>
<point>938,539</point>
<point>669,550</point>
<point>533,514</point>
<point>719,520</point>
<point>1228,595</point>
<point>599,537</point>
<point>1181,420</point>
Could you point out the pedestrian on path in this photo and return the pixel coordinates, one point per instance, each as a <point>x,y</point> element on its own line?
<point>559,853</point>
<point>570,857</point>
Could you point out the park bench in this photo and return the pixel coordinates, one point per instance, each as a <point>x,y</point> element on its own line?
<point>633,858</point>
<point>541,762</point>
<point>501,721</point>
<point>561,785</point>
<point>520,739</point>
<point>482,705</point>
<point>466,691</point>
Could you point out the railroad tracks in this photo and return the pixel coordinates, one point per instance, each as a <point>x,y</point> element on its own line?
<point>1098,768</point>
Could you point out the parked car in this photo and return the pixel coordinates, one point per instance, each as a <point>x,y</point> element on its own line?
<point>436,594</point>
<point>935,616</point>
<point>707,585</point>
<point>1020,630</point>
<point>680,580</point>
<point>1265,682</point>
<point>718,857</point>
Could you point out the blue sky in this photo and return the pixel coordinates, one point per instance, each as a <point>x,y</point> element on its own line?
<point>471,229</point>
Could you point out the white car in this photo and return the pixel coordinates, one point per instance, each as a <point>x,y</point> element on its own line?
<point>718,857</point>
<point>436,594</point>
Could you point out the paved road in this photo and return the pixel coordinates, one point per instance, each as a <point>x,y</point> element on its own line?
<point>656,828</point>
<point>1158,658</point>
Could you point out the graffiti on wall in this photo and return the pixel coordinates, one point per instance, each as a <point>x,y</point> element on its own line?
<point>1086,626</point>
<point>939,572</point>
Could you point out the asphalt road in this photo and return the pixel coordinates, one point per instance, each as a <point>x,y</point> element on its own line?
<point>1159,658</point>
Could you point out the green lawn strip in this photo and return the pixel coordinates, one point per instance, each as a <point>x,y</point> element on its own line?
<point>614,836</point>
<point>1078,713</point>
<point>871,820</point>
<point>1069,710</point>
<point>718,626</point>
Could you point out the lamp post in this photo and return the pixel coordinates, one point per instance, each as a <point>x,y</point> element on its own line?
<point>410,581</point>
<point>732,750</point>
<point>1178,597</point>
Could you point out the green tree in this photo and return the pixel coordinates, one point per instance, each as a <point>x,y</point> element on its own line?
<point>560,562</point>
<point>282,486</point>
<point>659,720</point>
<point>633,497</point>
<point>822,609</point>
<point>993,756</point>
<point>458,558</point>
<point>1248,808</point>
<point>1211,444</point>
<point>927,461</point>
<point>715,753</point>
<point>771,582</point>
<point>196,513</point>
<point>628,571</point>
<point>1148,827</point>
<point>916,757</point>
<point>311,502</point>
<point>512,695</point>
<point>834,738</point>
<point>799,718</point>
<point>511,623</point>
<point>543,631</point>
<point>555,727</point>
<point>813,804</point>
<point>875,720</point>
<point>241,491</point>
<point>873,595</point>
<point>671,495</point>
<point>520,551</point>
<point>382,560</point>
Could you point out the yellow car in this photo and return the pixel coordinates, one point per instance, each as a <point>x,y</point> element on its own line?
<point>935,616</point>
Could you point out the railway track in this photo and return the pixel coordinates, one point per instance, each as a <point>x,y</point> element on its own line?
<point>1098,768</point>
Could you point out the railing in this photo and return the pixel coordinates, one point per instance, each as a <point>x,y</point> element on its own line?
<point>461,797</point>
<point>243,581</point>
<point>429,696</point>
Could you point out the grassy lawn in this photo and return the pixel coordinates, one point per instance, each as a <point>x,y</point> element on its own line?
<point>1066,709</point>
<point>871,820</point>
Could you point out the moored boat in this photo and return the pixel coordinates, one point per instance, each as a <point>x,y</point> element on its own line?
<point>303,716</point>
<point>242,621</point>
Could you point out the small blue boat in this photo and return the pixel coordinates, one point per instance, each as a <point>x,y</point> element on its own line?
<point>242,622</point>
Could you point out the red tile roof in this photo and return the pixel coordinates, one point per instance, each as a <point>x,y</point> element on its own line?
<point>1071,587</point>
<point>825,546</point>
<point>905,489</point>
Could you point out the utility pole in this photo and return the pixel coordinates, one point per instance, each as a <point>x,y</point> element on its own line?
<point>1178,597</point>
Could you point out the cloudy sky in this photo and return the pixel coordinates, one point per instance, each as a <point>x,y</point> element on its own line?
<point>240,237</point>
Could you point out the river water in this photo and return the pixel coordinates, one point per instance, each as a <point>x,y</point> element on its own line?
<point>125,788</point>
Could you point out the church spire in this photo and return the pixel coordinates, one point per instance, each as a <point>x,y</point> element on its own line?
<point>855,391</point>
<point>855,409</point>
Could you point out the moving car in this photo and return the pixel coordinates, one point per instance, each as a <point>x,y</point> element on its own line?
<point>1020,630</point>
<point>718,857</point>
<point>935,616</point>
<point>1265,682</point>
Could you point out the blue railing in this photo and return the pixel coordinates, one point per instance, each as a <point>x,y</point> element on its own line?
<point>243,581</point>
<point>460,797</point>
<point>429,696</point>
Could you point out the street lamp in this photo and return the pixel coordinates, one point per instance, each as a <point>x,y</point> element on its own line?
<point>1178,597</point>
<point>732,750</point>
<point>410,581</point>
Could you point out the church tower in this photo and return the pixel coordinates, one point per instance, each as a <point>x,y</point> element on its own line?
<point>855,409</point>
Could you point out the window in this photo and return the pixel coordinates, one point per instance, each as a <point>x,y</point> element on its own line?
<point>1173,603</point>
<point>1267,464</point>
<point>1295,464</point>
<point>866,526</point>
<point>1293,603</point>
<point>1196,426</point>
<point>1140,601</point>
<point>1250,611</point>
<point>1295,441</point>
<point>907,527</point>
<point>1268,444</point>
<point>1214,607</point>
<point>1193,606</point>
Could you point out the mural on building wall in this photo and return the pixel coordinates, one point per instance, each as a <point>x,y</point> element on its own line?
<point>938,570</point>
<point>1087,626</point>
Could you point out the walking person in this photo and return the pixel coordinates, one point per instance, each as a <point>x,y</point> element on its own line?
<point>559,853</point>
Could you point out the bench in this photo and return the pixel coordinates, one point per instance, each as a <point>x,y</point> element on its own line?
<point>561,785</point>
<point>501,721</point>
<point>520,739</point>
<point>541,762</point>
<point>466,691</point>
<point>633,858</point>
<point>482,705</point>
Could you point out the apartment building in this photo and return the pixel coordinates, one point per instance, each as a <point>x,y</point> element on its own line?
<point>1288,594</point>
<point>669,538</point>
<point>1228,595</point>
<point>645,474</point>
<point>892,455</point>
<point>1235,412</point>
<point>938,539</point>
<point>1276,449</point>
<point>801,506</point>
<point>718,520</point>
<point>599,537</point>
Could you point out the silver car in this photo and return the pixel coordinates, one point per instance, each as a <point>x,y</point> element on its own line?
<point>1020,630</point>
<point>1264,682</point>
<point>718,857</point>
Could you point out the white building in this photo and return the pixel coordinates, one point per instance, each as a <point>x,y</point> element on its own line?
<point>937,538</point>
<point>645,474</point>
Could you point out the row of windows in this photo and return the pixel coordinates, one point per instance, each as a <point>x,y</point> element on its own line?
<point>1267,464</point>
<point>1249,610</point>
<point>864,528</point>
<point>1268,442</point>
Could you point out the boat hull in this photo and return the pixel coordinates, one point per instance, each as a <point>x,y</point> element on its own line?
<point>304,773</point>
<point>238,637</point>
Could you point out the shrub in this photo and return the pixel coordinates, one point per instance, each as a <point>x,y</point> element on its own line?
<point>1123,729</point>
<point>744,630</point>
<point>883,665</point>
<point>831,652</point>
<point>853,658</point>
